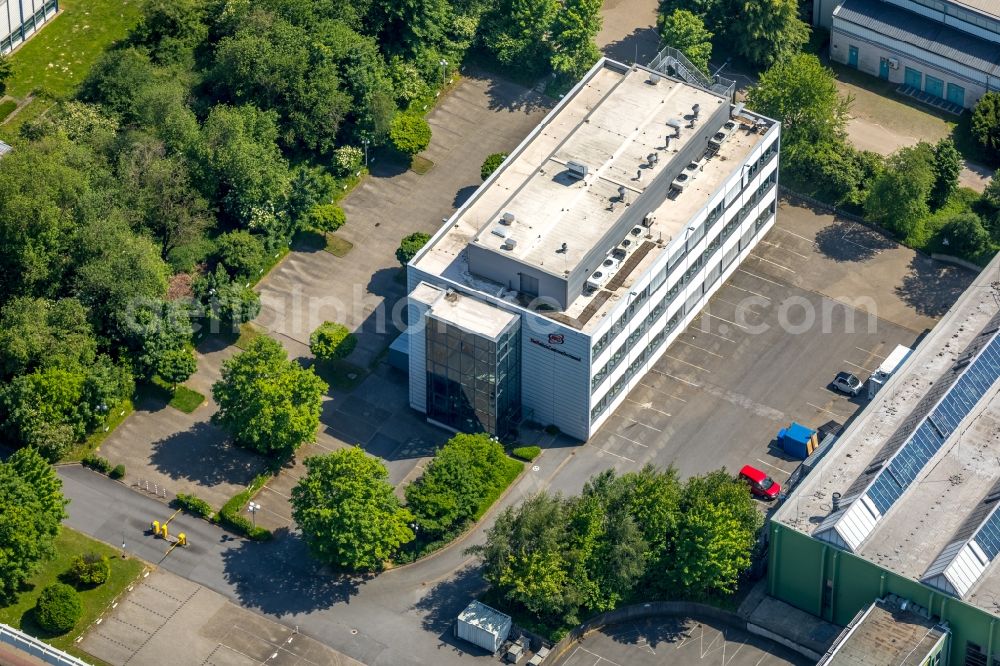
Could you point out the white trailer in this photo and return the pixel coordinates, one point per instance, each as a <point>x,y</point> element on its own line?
<point>891,363</point>
<point>483,626</point>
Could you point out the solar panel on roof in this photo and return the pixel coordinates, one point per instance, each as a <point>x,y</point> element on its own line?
<point>988,536</point>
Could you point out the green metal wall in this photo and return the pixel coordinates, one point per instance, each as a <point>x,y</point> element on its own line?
<point>799,567</point>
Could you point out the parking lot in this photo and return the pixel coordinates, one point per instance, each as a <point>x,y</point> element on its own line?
<point>663,641</point>
<point>817,296</point>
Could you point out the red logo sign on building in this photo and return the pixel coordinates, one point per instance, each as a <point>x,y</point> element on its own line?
<point>556,338</point>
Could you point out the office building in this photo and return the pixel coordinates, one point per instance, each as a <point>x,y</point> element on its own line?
<point>19,19</point>
<point>903,508</point>
<point>555,287</point>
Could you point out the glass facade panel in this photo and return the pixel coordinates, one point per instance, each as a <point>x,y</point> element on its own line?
<point>473,383</point>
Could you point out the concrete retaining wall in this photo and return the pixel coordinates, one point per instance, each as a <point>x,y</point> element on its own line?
<point>948,259</point>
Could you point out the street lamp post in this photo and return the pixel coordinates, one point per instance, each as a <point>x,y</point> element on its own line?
<point>365,142</point>
<point>443,63</point>
<point>252,509</point>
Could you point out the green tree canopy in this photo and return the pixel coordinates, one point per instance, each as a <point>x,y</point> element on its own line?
<point>802,93</point>
<point>39,333</point>
<point>947,167</point>
<point>986,122</point>
<point>410,245</point>
<point>899,196</point>
<point>31,509</point>
<point>964,235</point>
<point>176,365</point>
<point>332,341</point>
<point>242,253</point>
<point>267,402</point>
<point>766,31</point>
<point>347,511</point>
<point>491,164</point>
<point>515,33</point>
<point>58,608</point>
<point>686,32</point>
<point>572,35</point>
<point>410,133</point>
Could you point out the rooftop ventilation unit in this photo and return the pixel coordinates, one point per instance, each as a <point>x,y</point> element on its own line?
<point>497,231</point>
<point>648,220</point>
<point>638,231</point>
<point>653,79</point>
<point>680,182</point>
<point>695,111</point>
<point>737,110</point>
<point>507,218</point>
<point>676,125</point>
<point>577,169</point>
<point>597,279</point>
<point>509,244</point>
<point>652,159</point>
<point>622,194</point>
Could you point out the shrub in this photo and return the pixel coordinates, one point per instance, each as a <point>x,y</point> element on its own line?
<point>89,570</point>
<point>409,133</point>
<point>347,160</point>
<point>117,472</point>
<point>96,463</point>
<point>965,235</point>
<point>491,164</point>
<point>986,122</point>
<point>58,608</point>
<point>410,245</point>
<point>193,505</point>
<point>326,217</point>
<point>241,253</point>
<point>528,453</point>
<point>332,341</point>
<point>229,515</point>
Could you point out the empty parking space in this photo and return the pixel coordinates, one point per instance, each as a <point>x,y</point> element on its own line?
<point>806,305</point>
<point>664,641</point>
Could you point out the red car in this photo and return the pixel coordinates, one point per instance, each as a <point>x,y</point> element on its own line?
<point>761,485</point>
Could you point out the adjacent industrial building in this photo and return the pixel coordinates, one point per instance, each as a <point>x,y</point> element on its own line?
<point>19,19</point>
<point>945,52</point>
<point>902,511</point>
<point>549,294</point>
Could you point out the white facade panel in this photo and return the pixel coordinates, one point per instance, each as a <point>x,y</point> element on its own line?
<point>19,19</point>
<point>555,375</point>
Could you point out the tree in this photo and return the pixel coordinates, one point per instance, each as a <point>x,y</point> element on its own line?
<point>947,166</point>
<point>834,170</point>
<point>326,217</point>
<point>515,33</point>
<point>31,509</point>
<point>171,28</point>
<point>714,537</point>
<point>686,32</point>
<point>89,570</point>
<point>802,94</point>
<point>409,133</point>
<point>154,328</point>
<point>410,245</point>
<point>176,365</point>
<point>964,235</point>
<point>242,253</point>
<point>767,31</point>
<point>118,79</point>
<point>986,123</point>
<point>58,608</point>
<point>39,333</point>
<point>456,482</point>
<point>409,27</point>
<point>572,34</point>
<point>712,12</point>
<point>491,164</point>
<point>6,71</point>
<point>899,196</point>
<point>348,512</point>
<point>332,341</point>
<point>268,403</point>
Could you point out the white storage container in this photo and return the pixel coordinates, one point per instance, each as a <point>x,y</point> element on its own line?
<point>483,626</point>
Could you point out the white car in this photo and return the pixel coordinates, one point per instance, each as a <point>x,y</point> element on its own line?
<point>847,383</point>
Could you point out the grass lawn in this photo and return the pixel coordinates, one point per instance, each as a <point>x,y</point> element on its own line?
<point>248,332</point>
<point>420,165</point>
<point>337,246</point>
<point>61,54</point>
<point>115,417</point>
<point>187,400</point>
<point>95,601</point>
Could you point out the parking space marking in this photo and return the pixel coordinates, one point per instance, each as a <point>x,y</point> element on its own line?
<point>613,453</point>
<point>861,245</point>
<point>781,247</point>
<point>667,374</point>
<point>276,492</point>
<point>658,390</point>
<point>738,305</point>
<point>828,411</point>
<point>648,406</point>
<point>680,360</point>
<point>741,270</point>
<point>858,366</point>
<point>709,314</point>
<point>750,291</point>
<point>644,425</point>
<point>808,240</point>
<point>869,352</point>
<point>784,268</point>
<point>629,439</point>
<point>780,469</point>
<point>707,351</point>
<point>594,654</point>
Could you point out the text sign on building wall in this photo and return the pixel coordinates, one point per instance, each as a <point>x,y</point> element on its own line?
<point>538,342</point>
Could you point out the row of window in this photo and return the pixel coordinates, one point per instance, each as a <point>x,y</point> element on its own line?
<point>29,24</point>
<point>669,296</point>
<point>657,340</point>
<point>657,281</point>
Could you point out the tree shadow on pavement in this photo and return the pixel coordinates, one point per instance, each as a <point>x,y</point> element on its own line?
<point>442,604</point>
<point>641,46</point>
<point>463,195</point>
<point>203,454</point>
<point>932,287</point>
<point>281,577</point>
<point>851,242</point>
<point>652,632</point>
<point>506,95</point>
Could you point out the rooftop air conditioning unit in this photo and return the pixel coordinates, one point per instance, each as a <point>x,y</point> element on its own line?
<point>497,231</point>
<point>648,220</point>
<point>509,244</point>
<point>507,218</point>
<point>597,279</point>
<point>638,231</point>
<point>893,63</point>
<point>577,169</point>
<point>654,78</point>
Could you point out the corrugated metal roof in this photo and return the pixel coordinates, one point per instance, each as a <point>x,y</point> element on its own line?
<point>988,7</point>
<point>485,617</point>
<point>922,33</point>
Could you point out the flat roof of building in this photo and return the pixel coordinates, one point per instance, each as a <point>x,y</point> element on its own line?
<point>611,122</point>
<point>988,7</point>
<point>469,314</point>
<point>925,519</point>
<point>886,634</point>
